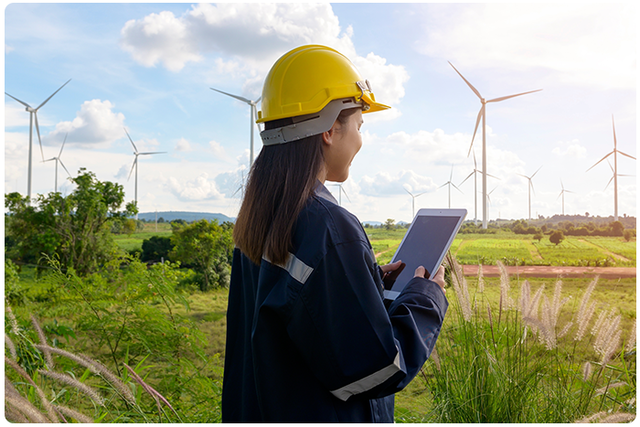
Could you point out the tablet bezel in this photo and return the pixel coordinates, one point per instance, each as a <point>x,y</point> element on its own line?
<point>449,212</point>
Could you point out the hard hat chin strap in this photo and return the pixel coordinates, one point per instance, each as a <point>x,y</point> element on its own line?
<point>310,124</point>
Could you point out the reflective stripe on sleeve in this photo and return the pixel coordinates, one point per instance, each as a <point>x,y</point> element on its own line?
<point>369,382</point>
<point>295,267</point>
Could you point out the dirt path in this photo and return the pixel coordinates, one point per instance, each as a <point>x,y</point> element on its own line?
<point>554,272</point>
<point>606,251</point>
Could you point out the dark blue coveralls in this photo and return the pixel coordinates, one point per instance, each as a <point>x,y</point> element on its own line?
<point>312,341</point>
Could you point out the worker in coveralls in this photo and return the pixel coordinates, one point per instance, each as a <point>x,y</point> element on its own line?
<point>309,337</point>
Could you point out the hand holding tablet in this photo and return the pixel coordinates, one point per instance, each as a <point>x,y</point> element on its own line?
<point>425,244</point>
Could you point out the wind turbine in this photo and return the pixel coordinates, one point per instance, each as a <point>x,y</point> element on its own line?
<point>450,183</point>
<point>530,187</point>
<point>482,114</point>
<point>59,160</point>
<point>254,113</point>
<point>413,201</point>
<point>340,191</point>
<point>135,164</point>
<point>475,186</point>
<point>615,169</point>
<point>489,199</point>
<point>33,114</point>
<point>562,194</point>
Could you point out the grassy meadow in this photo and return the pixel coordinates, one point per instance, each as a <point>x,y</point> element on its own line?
<point>508,349</point>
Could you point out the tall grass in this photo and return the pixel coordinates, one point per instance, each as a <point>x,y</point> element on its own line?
<point>515,362</point>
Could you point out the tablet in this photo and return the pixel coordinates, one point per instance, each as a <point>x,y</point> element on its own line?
<point>426,243</point>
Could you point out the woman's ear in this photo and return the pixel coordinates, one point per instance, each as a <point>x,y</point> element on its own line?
<point>329,136</point>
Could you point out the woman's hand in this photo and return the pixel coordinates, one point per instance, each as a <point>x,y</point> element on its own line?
<point>438,278</point>
<point>391,267</point>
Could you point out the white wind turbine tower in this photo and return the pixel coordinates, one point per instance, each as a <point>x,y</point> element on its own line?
<point>615,169</point>
<point>482,114</point>
<point>450,183</point>
<point>33,114</point>
<point>254,113</point>
<point>562,194</point>
<point>475,186</point>
<point>135,165</point>
<point>530,187</point>
<point>413,202</point>
<point>59,160</point>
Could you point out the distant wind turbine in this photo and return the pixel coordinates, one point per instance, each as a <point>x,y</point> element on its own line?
<point>450,183</point>
<point>482,114</point>
<point>615,169</point>
<point>562,194</point>
<point>489,197</point>
<point>340,191</point>
<point>413,201</point>
<point>254,113</point>
<point>33,114</point>
<point>530,178</point>
<point>135,165</point>
<point>59,160</point>
<point>475,186</point>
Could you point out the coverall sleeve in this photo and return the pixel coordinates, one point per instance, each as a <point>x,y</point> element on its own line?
<point>352,343</point>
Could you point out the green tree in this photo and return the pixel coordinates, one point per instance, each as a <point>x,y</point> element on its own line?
<point>77,228</point>
<point>155,248</point>
<point>390,224</point>
<point>207,247</point>
<point>556,237</point>
<point>617,229</point>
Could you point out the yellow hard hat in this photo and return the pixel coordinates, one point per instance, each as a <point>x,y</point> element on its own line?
<point>304,81</point>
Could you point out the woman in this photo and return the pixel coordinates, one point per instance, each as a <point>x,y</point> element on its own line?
<point>309,338</point>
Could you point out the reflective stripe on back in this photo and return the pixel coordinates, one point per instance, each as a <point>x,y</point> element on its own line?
<point>369,382</point>
<point>296,268</point>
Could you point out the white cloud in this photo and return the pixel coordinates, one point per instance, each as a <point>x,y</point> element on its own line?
<point>95,123</point>
<point>183,145</point>
<point>201,188</point>
<point>230,183</point>
<point>216,148</point>
<point>572,149</point>
<point>385,184</point>
<point>582,44</point>
<point>253,36</point>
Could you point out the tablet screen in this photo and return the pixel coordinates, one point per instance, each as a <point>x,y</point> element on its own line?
<point>425,243</point>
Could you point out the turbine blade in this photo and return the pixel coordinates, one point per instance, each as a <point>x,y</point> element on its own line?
<point>21,102</point>
<point>345,193</point>
<point>443,185</point>
<point>418,195</point>
<point>599,161</point>
<point>65,168</point>
<point>65,140</point>
<point>494,177</point>
<point>132,166</point>
<point>534,174</point>
<point>469,176</point>
<point>467,82</point>
<point>624,175</point>
<point>239,98</point>
<point>134,145</point>
<point>615,142</point>
<point>407,191</point>
<point>258,100</point>
<point>153,152</point>
<point>47,100</point>
<point>610,167</point>
<point>475,165</point>
<point>35,115</point>
<point>48,160</point>
<point>480,114</point>
<point>608,183</point>
<point>532,189</point>
<point>559,195</point>
<point>502,98</point>
<point>625,154</point>
<point>454,186</point>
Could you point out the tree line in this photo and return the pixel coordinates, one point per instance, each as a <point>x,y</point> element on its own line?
<point>77,231</point>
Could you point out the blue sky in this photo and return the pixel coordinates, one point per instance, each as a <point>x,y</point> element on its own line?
<point>148,67</point>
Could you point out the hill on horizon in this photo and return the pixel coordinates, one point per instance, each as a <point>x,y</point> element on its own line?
<point>169,216</point>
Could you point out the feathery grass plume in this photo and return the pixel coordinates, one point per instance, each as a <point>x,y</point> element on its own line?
<point>631,340</point>
<point>565,330</point>
<point>548,338</point>
<point>11,347</point>
<point>153,392</point>
<point>590,418</point>
<point>14,416</point>
<point>602,316</point>
<point>611,348</point>
<point>436,359</point>
<point>460,287</point>
<point>98,369</point>
<point>525,297</point>
<point>12,320</point>
<point>82,418</point>
<point>603,390</point>
<point>606,332</point>
<point>25,407</point>
<point>505,287</point>
<point>586,310</point>
<point>43,397</point>
<point>586,371</point>
<point>480,279</point>
<point>620,417</point>
<point>43,340</point>
<point>69,380</point>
